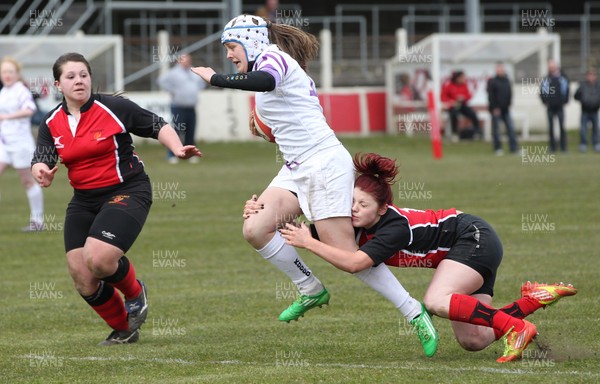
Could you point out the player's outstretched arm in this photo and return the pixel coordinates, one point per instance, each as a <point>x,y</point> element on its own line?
<point>204,72</point>
<point>169,138</point>
<point>345,260</point>
<point>256,81</point>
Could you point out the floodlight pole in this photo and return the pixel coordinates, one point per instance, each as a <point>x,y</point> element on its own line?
<point>235,8</point>
<point>401,42</point>
<point>326,60</point>
<point>163,49</point>
<point>543,56</point>
<point>473,24</point>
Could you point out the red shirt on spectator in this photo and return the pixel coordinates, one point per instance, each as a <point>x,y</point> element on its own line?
<point>453,92</point>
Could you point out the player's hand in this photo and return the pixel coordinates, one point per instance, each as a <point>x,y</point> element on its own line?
<point>187,151</point>
<point>43,175</point>
<point>296,236</point>
<point>252,207</point>
<point>204,72</point>
<point>251,124</point>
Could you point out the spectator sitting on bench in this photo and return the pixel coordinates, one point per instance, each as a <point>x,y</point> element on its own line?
<point>455,96</point>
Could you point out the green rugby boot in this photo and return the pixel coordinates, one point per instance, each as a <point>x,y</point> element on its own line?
<point>304,303</point>
<point>426,332</point>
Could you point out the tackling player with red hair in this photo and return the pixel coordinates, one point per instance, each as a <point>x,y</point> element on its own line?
<point>464,249</point>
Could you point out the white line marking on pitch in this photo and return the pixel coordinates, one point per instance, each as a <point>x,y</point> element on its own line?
<point>509,371</point>
<point>101,358</point>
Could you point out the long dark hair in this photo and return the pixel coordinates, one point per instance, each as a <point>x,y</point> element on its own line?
<point>302,46</point>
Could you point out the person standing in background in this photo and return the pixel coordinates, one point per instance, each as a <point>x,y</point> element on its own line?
<point>269,10</point>
<point>184,87</point>
<point>16,141</point>
<point>588,94</point>
<point>499,91</point>
<point>554,92</point>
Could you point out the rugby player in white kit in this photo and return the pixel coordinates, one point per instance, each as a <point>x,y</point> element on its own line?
<point>317,178</point>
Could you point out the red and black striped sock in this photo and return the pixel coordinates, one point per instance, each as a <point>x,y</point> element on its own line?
<point>468,309</point>
<point>124,279</point>
<point>107,303</point>
<point>520,309</point>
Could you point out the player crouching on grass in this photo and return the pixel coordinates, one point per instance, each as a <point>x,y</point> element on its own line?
<point>112,195</point>
<point>464,250</point>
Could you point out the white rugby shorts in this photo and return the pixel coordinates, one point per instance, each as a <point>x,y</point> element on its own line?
<point>17,154</point>
<point>324,183</point>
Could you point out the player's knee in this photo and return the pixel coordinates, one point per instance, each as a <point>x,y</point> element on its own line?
<point>97,268</point>
<point>472,341</point>
<point>97,265</point>
<point>249,232</point>
<point>27,182</point>
<point>434,305</point>
<point>254,233</point>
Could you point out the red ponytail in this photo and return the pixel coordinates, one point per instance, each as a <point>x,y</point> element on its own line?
<point>376,176</point>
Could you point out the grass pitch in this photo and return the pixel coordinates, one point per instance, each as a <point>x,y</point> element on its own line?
<point>214,302</point>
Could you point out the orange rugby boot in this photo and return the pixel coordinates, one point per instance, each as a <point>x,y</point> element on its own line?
<point>516,342</point>
<point>547,294</point>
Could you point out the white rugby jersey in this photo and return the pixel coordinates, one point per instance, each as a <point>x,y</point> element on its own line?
<point>292,109</point>
<point>12,99</point>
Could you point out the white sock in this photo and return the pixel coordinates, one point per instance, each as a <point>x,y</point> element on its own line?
<point>36,204</point>
<point>286,259</point>
<point>382,280</point>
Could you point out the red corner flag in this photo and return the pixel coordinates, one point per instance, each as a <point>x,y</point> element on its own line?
<point>436,134</point>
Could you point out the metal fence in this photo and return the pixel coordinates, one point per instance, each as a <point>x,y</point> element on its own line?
<point>358,29</point>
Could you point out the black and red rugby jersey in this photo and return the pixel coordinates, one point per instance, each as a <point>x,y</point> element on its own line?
<point>405,237</point>
<point>101,153</point>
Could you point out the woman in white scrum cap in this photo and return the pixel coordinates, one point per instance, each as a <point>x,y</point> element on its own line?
<point>317,178</point>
